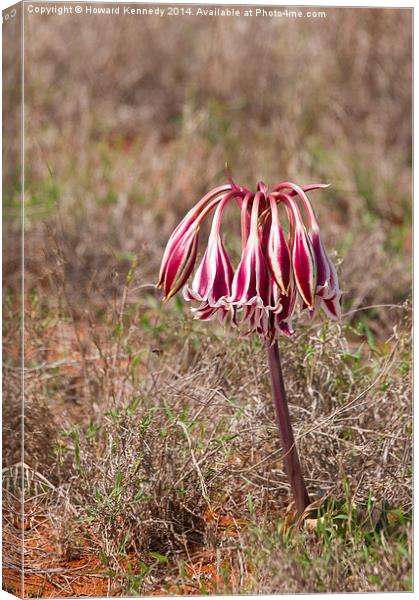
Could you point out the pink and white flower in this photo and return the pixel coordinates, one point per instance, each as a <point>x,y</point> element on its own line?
<point>276,273</point>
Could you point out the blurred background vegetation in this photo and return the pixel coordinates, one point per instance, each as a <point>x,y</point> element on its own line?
<point>128,121</point>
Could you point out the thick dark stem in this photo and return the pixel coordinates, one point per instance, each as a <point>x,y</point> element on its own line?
<point>290,453</point>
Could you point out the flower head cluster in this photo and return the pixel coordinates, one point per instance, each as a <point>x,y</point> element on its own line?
<point>278,271</point>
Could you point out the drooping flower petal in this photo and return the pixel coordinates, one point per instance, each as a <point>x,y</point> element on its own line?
<point>181,262</point>
<point>273,273</point>
<point>332,307</point>
<point>280,319</point>
<point>207,313</point>
<point>285,328</point>
<point>322,263</point>
<point>304,265</point>
<point>327,286</point>
<point>278,253</point>
<point>303,262</point>
<point>251,280</point>
<point>253,320</point>
<point>212,281</point>
<point>283,319</point>
<point>187,222</point>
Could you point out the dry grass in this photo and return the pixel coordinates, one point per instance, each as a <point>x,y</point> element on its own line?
<point>174,432</point>
<point>151,454</point>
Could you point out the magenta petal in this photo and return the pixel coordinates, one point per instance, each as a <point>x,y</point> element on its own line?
<point>174,239</point>
<point>243,278</point>
<point>332,308</point>
<point>333,283</point>
<point>204,313</point>
<point>190,295</point>
<point>278,253</point>
<point>322,262</point>
<point>288,305</point>
<point>251,283</point>
<point>188,221</point>
<point>286,328</point>
<point>223,315</point>
<point>253,317</point>
<point>283,321</point>
<point>304,265</point>
<point>327,284</point>
<point>222,282</point>
<point>181,262</point>
<point>212,281</point>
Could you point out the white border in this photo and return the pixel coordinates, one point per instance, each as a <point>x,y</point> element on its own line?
<point>326,3</point>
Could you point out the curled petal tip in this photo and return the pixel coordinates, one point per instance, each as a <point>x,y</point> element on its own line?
<point>286,329</point>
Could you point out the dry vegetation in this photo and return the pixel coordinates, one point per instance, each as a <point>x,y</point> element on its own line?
<point>151,453</point>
